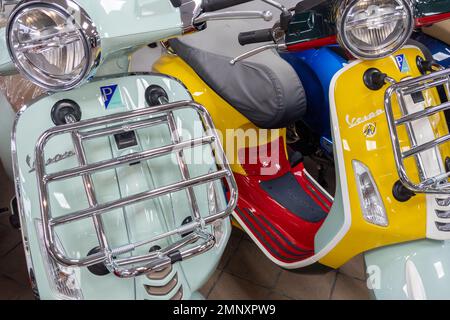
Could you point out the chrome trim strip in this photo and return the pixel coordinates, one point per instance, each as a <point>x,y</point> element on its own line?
<point>179,295</point>
<point>443,214</point>
<point>162,290</point>
<point>443,202</point>
<point>160,274</point>
<point>444,227</point>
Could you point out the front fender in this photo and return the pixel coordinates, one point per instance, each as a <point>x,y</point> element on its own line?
<point>416,270</point>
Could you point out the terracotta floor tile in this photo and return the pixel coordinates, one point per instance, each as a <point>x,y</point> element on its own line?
<point>230,287</point>
<point>9,237</point>
<point>348,288</point>
<point>6,189</point>
<point>307,284</point>
<point>354,268</point>
<point>10,289</point>
<point>27,295</point>
<point>14,266</point>
<point>232,245</point>
<point>207,288</point>
<point>277,296</point>
<point>250,263</point>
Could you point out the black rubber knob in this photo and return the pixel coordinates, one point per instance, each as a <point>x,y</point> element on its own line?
<point>423,65</point>
<point>374,79</point>
<point>285,20</point>
<point>64,108</point>
<point>98,269</point>
<point>401,193</point>
<point>257,36</point>
<point>153,95</point>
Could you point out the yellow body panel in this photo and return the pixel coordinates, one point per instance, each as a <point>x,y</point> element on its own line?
<point>224,115</point>
<point>356,108</point>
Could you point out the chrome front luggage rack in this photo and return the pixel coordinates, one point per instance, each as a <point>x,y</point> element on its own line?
<point>432,179</point>
<point>193,238</point>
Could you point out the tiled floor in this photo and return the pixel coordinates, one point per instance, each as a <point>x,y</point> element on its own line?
<point>243,273</point>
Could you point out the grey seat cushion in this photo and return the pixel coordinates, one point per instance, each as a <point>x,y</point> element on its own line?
<point>264,88</point>
<point>269,94</point>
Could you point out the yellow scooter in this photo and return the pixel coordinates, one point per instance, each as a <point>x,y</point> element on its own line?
<point>392,157</point>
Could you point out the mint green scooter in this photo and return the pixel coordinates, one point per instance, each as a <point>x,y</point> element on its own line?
<point>114,202</point>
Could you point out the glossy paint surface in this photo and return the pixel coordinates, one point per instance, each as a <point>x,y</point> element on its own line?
<point>407,221</point>
<point>127,24</point>
<point>137,222</point>
<point>316,68</point>
<point>414,271</point>
<point>285,237</point>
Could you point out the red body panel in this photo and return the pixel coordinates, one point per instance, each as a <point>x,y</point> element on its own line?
<point>425,21</point>
<point>287,237</point>
<point>312,44</point>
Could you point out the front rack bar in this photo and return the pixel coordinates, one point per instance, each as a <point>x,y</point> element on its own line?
<point>127,159</point>
<point>421,114</point>
<point>425,146</point>
<point>437,184</point>
<point>99,209</point>
<point>130,121</point>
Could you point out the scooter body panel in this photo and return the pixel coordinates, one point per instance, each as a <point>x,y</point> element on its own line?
<point>415,270</point>
<point>351,115</point>
<point>136,222</point>
<point>439,49</point>
<point>316,68</point>
<point>273,227</point>
<point>6,125</point>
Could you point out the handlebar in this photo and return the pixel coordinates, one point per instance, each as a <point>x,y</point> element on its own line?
<point>214,5</point>
<point>257,36</point>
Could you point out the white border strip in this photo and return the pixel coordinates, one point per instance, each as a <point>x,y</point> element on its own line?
<point>345,194</point>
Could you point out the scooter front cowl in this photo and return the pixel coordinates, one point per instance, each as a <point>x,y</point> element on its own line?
<point>116,193</point>
<point>416,270</point>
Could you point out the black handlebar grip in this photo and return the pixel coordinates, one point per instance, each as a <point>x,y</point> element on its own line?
<point>214,5</point>
<point>256,36</point>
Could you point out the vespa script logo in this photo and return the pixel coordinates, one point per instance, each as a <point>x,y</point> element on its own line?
<point>55,159</point>
<point>357,121</point>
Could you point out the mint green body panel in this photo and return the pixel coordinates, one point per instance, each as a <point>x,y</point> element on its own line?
<point>6,125</point>
<point>431,261</point>
<point>334,222</point>
<point>139,221</point>
<point>125,25</point>
<point>6,65</point>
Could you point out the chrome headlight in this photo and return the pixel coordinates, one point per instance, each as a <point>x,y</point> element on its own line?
<point>53,43</point>
<point>372,29</point>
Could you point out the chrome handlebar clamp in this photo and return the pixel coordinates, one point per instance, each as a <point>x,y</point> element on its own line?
<point>432,179</point>
<point>195,237</point>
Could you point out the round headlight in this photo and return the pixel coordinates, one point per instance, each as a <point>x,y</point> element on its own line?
<point>53,43</point>
<point>372,29</point>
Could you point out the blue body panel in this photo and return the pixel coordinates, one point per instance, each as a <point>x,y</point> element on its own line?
<point>316,68</point>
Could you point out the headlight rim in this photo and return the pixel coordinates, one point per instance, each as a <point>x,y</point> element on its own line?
<point>90,37</point>
<point>343,11</point>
